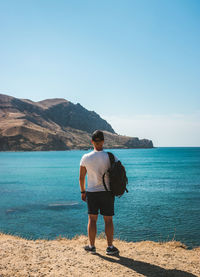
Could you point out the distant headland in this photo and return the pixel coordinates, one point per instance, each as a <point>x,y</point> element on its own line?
<point>55,124</point>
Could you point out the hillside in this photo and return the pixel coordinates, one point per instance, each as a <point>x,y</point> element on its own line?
<point>54,124</point>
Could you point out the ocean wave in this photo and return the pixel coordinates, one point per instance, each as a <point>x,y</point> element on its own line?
<point>63,204</point>
<point>51,206</point>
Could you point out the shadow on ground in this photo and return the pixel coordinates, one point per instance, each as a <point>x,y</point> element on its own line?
<point>148,270</point>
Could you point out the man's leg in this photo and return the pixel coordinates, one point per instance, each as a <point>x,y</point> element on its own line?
<point>109,229</point>
<point>92,228</point>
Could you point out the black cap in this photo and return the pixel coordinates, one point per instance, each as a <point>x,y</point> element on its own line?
<point>97,135</point>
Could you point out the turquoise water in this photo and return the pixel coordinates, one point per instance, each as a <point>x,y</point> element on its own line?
<point>40,195</point>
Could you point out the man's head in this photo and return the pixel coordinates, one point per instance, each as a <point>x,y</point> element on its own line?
<point>98,140</point>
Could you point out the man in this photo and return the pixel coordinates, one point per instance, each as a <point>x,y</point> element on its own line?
<point>95,164</point>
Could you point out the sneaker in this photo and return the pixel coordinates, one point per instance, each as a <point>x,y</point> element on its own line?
<point>112,250</point>
<point>90,249</point>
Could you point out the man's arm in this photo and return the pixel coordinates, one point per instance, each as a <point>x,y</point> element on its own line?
<point>82,175</point>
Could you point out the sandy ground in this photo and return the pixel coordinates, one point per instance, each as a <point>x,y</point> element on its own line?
<point>64,257</point>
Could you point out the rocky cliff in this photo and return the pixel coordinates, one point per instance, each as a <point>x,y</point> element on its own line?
<point>54,124</point>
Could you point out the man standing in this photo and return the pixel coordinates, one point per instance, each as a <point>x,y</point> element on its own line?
<point>95,164</point>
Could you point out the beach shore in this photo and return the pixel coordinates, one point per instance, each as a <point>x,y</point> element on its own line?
<point>66,257</point>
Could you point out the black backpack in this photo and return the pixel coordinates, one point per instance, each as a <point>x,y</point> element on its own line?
<point>117,177</point>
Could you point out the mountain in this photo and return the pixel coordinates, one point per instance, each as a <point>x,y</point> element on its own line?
<point>54,124</point>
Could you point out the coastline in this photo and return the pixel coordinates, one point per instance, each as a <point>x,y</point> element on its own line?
<point>81,149</point>
<point>66,257</point>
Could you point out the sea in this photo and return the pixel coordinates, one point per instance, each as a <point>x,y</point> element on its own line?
<point>40,195</point>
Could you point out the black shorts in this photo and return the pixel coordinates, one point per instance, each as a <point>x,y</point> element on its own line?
<point>102,200</point>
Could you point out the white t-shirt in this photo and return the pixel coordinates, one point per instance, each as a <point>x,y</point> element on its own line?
<point>96,163</point>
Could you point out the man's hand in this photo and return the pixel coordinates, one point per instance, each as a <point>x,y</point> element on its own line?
<point>83,196</point>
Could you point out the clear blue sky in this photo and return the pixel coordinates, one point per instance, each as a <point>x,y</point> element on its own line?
<point>135,62</point>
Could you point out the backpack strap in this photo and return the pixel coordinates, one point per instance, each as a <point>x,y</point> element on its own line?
<point>112,160</point>
<point>104,182</point>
